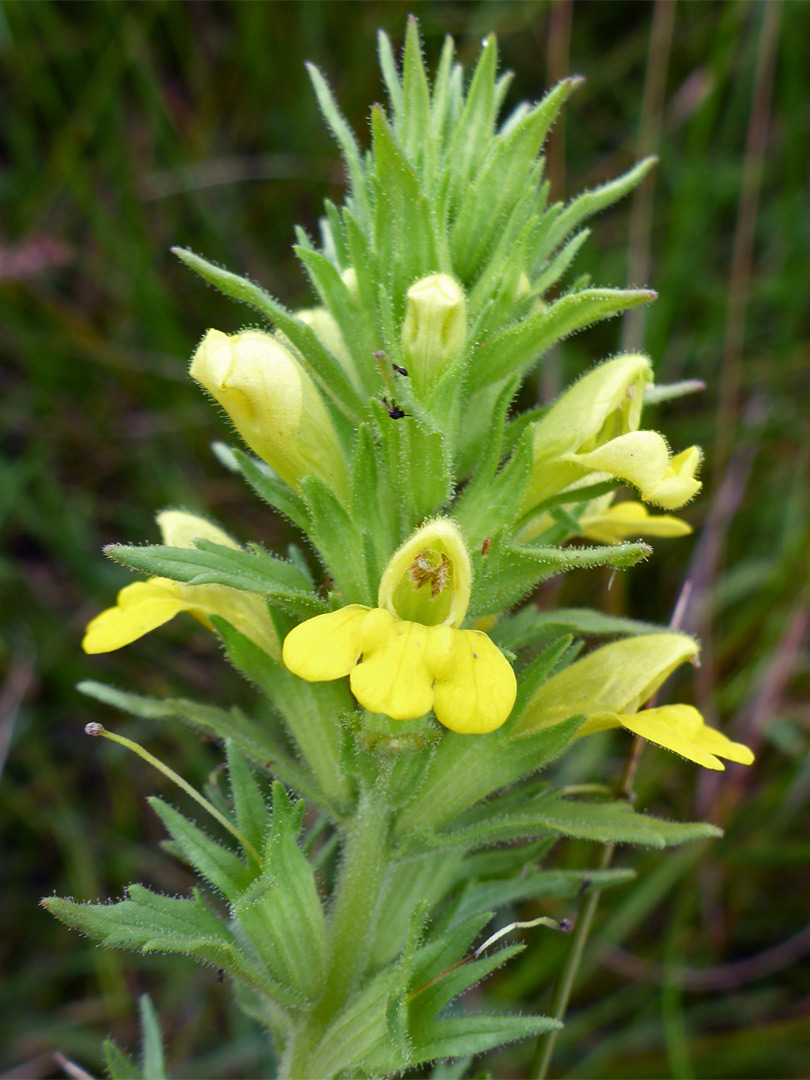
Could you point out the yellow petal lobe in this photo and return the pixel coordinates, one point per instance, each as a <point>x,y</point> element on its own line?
<point>326,647</point>
<point>675,728</point>
<point>627,520</point>
<point>140,607</point>
<point>475,686</point>
<point>393,678</point>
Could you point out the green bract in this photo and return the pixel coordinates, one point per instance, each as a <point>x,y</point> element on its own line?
<point>381,421</point>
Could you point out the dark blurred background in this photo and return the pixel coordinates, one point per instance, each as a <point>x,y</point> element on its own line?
<point>128,127</point>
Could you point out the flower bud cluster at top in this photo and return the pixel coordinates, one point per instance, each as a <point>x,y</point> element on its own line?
<point>431,281</point>
<point>387,403</point>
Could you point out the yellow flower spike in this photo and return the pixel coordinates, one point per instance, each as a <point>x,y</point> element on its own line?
<point>610,684</point>
<point>274,405</point>
<point>402,666</point>
<point>146,605</point>
<point>611,524</point>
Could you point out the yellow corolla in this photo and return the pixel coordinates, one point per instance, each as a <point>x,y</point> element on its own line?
<point>145,605</point>
<point>610,684</point>
<point>408,655</point>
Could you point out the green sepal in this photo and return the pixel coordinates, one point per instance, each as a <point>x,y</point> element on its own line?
<point>372,502</point>
<point>311,712</point>
<point>483,455</point>
<point>458,1036</point>
<point>591,202</point>
<point>255,571</point>
<point>267,486</point>
<point>249,808</point>
<point>510,571</point>
<point>352,320</point>
<point>347,143</point>
<point>515,350</point>
<point>281,911</point>
<point>322,365</point>
<point>488,511</point>
<point>217,864</point>
<point>475,126</point>
<point>537,671</point>
<point>338,542</point>
<point>404,228</point>
<point>254,737</point>
<point>501,181</point>
<point>530,626</point>
<point>464,771</point>
<point>390,74</point>
<point>418,458</point>
<point>413,127</point>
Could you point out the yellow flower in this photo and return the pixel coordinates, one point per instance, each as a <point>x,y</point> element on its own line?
<point>408,655</point>
<point>145,605</point>
<point>592,431</point>
<point>610,684</point>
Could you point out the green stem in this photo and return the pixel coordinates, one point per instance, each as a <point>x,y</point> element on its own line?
<point>562,997</point>
<point>364,867</point>
<point>587,910</point>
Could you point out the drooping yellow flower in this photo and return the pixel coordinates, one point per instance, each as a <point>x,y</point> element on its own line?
<point>610,685</point>
<point>592,431</point>
<point>145,605</point>
<point>408,655</point>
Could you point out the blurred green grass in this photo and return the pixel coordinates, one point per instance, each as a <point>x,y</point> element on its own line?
<point>130,127</point>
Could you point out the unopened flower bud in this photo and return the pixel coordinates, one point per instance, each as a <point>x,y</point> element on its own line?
<point>273,403</point>
<point>434,329</point>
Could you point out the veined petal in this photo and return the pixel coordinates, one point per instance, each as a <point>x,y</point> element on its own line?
<point>326,647</point>
<point>393,677</point>
<point>140,607</point>
<point>673,727</point>
<point>626,520</point>
<point>475,686</point>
